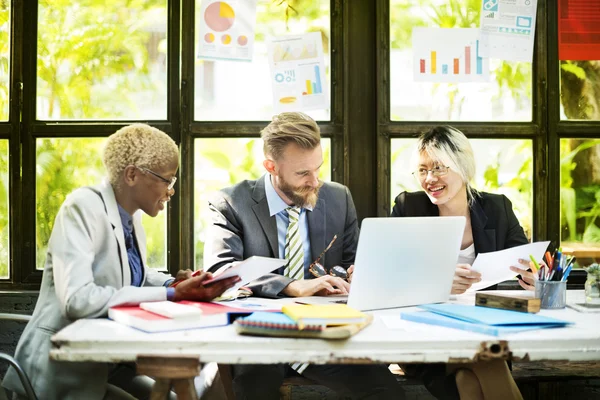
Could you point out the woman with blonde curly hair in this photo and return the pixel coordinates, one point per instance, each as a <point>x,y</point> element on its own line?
<point>97,259</point>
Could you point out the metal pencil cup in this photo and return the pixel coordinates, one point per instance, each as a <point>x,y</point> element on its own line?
<point>553,294</point>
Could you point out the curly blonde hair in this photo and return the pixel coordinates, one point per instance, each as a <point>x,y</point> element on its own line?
<point>140,145</point>
<point>290,127</point>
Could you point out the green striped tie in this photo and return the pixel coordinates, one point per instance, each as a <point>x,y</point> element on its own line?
<point>294,251</point>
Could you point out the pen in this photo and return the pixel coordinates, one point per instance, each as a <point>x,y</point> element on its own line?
<point>567,272</point>
<point>548,259</point>
<point>535,267</point>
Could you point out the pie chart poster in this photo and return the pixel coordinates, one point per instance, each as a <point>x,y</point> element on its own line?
<point>226,29</point>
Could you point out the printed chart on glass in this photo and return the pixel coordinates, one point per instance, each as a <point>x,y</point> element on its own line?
<point>226,29</point>
<point>507,29</point>
<point>448,55</point>
<point>297,69</point>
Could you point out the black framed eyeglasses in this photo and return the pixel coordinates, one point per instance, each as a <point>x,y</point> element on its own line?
<point>169,182</point>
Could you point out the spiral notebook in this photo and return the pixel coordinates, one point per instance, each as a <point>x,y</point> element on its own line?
<point>278,324</point>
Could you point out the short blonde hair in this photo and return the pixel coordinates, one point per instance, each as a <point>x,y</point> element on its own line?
<point>290,127</point>
<point>140,145</point>
<point>450,147</point>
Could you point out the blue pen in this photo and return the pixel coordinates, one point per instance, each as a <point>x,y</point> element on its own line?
<point>567,272</point>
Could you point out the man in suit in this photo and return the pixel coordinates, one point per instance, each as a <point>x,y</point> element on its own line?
<point>289,213</point>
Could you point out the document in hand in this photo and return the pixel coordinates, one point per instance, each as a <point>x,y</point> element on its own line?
<point>248,270</point>
<point>327,315</point>
<point>494,266</point>
<point>480,319</point>
<point>136,317</point>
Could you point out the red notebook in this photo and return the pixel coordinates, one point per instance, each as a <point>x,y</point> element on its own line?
<point>212,315</point>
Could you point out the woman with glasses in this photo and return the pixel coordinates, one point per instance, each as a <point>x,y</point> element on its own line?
<point>97,259</point>
<point>445,166</point>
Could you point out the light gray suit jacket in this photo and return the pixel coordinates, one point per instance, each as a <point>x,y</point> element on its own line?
<point>242,227</point>
<point>86,272</point>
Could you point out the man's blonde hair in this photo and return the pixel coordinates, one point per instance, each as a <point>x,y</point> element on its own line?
<point>140,145</point>
<point>290,127</point>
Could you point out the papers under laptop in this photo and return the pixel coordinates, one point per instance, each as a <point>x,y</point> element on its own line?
<point>402,262</point>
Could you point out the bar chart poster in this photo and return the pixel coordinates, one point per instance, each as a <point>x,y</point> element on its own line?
<point>226,29</point>
<point>448,55</point>
<point>297,70</point>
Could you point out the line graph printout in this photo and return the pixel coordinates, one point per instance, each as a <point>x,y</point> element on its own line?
<point>226,29</point>
<point>297,68</point>
<point>448,55</point>
<point>507,29</point>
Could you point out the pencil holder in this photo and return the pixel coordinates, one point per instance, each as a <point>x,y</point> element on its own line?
<point>552,294</point>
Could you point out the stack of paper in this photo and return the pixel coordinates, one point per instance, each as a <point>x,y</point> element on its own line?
<point>480,319</point>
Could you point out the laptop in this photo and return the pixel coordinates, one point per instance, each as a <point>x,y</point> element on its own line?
<point>402,262</point>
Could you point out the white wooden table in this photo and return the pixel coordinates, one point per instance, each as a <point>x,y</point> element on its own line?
<point>101,340</point>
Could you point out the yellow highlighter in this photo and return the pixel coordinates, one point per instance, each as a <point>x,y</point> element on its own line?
<point>535,267</point>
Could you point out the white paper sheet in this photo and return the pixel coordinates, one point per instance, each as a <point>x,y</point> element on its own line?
<point>494,266</point>
<point>248,270</point>
<point>297,69</point>
<point>507,29</point>
<point>226,29</point>
<point>448,55</point>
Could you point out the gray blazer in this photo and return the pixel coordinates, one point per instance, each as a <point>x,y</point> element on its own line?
<point>242,227</point>
<point>86,272</point>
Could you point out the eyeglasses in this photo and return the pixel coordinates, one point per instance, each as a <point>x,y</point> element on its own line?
<point>436,171</point>
<point>317,270</point>
<point>169,182</point>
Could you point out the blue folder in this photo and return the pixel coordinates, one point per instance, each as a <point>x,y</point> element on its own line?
<point>490,321</point>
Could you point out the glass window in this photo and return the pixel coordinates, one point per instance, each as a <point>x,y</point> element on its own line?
<point>4,219</point>
<point>507,97</point>
<point>102,60</point>
<point>580,199</point>
<point>220,163</point>
<point>580,90</point>
<point>4,61</point>
<point>64,165</point>
<point>233,90</point>
<point>502,166</point>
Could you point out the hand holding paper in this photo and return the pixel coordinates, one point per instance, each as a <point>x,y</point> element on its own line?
<point>495,266</point>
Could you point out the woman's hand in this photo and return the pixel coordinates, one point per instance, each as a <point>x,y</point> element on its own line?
<point>194,289</point>
<point>464,278</point>
<point>527,279</point>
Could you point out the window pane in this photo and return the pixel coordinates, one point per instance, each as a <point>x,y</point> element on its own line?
<point>580,199</point>
<point>4,62</point>
<point>102,60</point>
<point>507,97</point>
<point>580,90</point>
<point>62,166</point>
<point>230,90</point>
<point>4,220</point>
<point>220,163</point>
<point>502,166</point>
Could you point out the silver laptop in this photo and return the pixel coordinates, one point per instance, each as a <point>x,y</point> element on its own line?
<point>402,262</point>
<point>405,261</point>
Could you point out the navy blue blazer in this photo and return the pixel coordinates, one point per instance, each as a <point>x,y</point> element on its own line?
<point>493,222</point>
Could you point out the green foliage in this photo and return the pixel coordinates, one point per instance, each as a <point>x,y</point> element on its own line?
<point>91,53</point>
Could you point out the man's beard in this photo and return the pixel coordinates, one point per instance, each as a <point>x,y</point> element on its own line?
<point>304,196</point>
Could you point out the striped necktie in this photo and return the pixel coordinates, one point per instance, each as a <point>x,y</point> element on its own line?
<point>294,252</point>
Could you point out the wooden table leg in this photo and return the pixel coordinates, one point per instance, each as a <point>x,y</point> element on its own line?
<point>177,371</point>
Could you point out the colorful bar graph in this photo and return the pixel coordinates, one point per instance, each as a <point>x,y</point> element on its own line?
<point>456,66</point>
<point>433,62</point>
<point>479,59</point>
<point>467,60</point>
<point>445,69</point>
<point>422,66</point>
